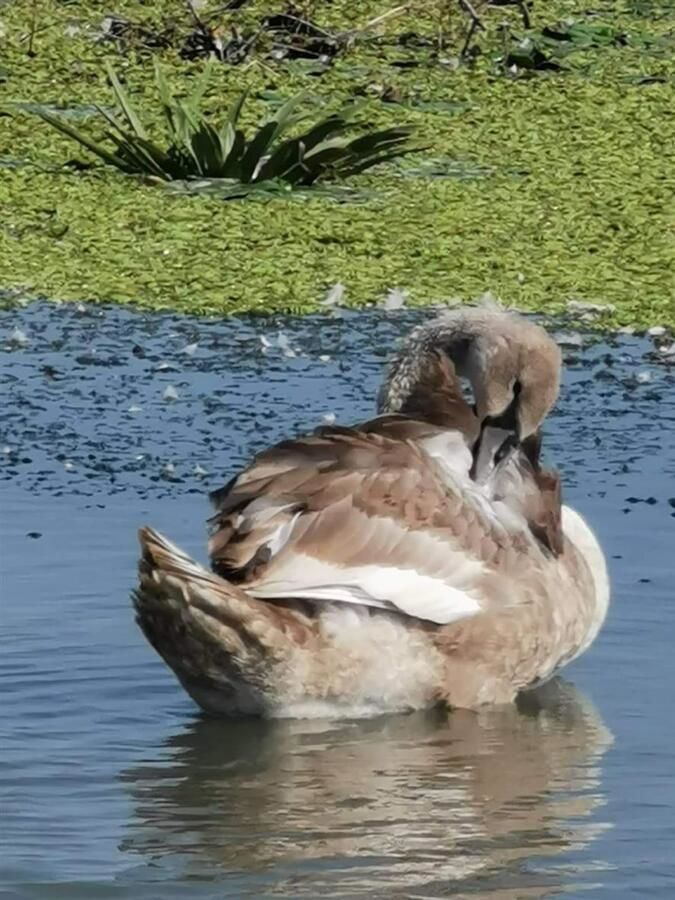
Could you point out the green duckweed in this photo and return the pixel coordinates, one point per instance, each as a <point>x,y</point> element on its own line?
<point>542,187</point>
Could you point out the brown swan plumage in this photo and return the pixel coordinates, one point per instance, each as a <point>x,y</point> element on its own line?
<point>422,556</point>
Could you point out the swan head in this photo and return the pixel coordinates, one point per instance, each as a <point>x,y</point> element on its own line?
<point>512,364</point>
<point>514,370</point>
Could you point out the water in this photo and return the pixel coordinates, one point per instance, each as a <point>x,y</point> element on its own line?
<point>112,784</point>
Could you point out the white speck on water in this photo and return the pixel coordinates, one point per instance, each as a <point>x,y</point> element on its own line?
<point>68,466</point>
<point>199,471</point>
<point>170,393</point>
<point>18,338</point>
<point>656,331</point>
<point>165,367</point>
<point>190,349</point>
<point>395,299</point>
<point>328,419</point>
<point>168,470</point>
<point>285,346</point>
<point>6,450</point>
<point>667,350</point>
<point>140,456</point>
<point>325,357</point>
<point>135,409</point>
<point>572,339</point>
<point>643,377</point>
<point>334,296</point>
<point>281,341</point>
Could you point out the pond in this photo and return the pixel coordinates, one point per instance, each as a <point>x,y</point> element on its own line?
<point>113,785</point>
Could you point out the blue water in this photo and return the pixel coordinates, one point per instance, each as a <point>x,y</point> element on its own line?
<point>112,784</point>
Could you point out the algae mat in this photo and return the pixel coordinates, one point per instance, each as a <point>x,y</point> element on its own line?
<point>541,186</point>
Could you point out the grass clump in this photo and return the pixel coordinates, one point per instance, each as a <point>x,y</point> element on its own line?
<point>222,158</point>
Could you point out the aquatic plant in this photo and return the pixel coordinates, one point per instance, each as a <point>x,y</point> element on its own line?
<point>198,150</point>
<point>553,46</point>
<point>541,186</point>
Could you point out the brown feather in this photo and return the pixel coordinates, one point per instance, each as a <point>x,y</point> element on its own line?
<point>545,516</point>
<point>543,504</point>
<point>346,478</point>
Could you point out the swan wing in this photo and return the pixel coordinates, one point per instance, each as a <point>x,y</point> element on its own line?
<point>362,515</point>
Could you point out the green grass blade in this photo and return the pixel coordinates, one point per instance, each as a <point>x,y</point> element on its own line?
<point>194,98</point>
<point>207,152</point>
<point>91,145</point>
<point>112,121</point>
<point>235,109</point>
<point>232,140</point>
<point>388,136</point>
<point>338,142</point>
<point>256,150</point>
<point>226,138</point>
<point>147,158</point>
<point>362,165</point>
<point>328,128</point>
<point>232,166</point>
<point>266,136</point>
<point>285,162</point>
<point>124,103</point>
<point>167,101</point>
<point>284,117</point>
<point>321,161</point>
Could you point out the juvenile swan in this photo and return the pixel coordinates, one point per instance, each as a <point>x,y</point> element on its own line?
<point>420,557</point>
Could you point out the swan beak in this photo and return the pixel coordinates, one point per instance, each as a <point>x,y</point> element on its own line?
<point>493,447</point>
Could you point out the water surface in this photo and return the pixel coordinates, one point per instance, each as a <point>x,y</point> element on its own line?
<point>113,785</point>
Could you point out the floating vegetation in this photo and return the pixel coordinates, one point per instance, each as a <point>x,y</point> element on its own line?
<point>221,160</point>
<point>445,167</point>
<point>74,111</point>
<point>552,47</point>
<point>546,185</point>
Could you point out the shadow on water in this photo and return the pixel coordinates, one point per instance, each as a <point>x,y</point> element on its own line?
<point>470,803</point>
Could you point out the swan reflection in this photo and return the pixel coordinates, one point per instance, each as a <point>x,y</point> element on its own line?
<point>435,803</point>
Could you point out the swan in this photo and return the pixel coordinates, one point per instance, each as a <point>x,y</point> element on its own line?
<point>422,557</point>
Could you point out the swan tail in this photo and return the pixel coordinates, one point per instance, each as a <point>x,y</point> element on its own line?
<point>227,649</point>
